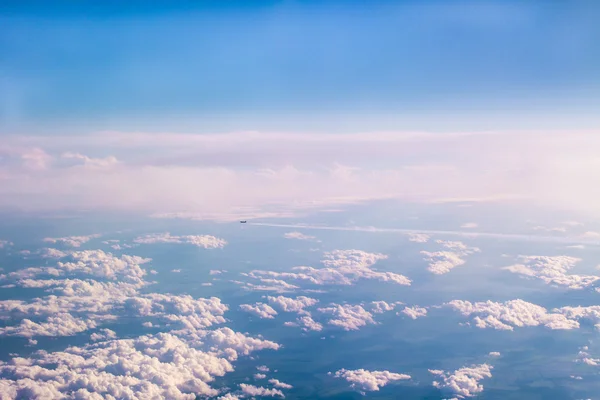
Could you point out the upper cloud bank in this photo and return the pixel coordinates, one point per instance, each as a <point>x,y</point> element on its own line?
<point>218,175</point>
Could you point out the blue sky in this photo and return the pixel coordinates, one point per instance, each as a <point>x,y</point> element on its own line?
<point>193,66</point>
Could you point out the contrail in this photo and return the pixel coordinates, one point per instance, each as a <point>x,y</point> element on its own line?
<point>492,235</point>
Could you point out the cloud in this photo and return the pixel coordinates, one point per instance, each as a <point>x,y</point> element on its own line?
<point>5,243</point>
<point>469,225</point>
<point>379,307</point>
<point>442,262</point>
<point>262,368</point>
<point>260,391</point>
<point>259,376</point>
<point>103,334</point>
<point>289,304</point>
<point>349,317</point>
<point>418,237</point>
<point>369,380</point>
<point>591,313</point>
<point>279,384</point>
<point>463,382</point>
<point>414,312</point>
<point>169,172</point>
<point>511,314</point>
<point>585,358</point>
<point>72,241</point>
<point>552,270</point>
<point>494,354</point>
<point>205,241</point>
<point>259,309</point>
<point>306,323</point>
<point>299,236</point>
<point>341,267</point>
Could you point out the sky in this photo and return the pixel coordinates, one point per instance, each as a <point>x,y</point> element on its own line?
<point>240,108</point>
<point>198,67</point>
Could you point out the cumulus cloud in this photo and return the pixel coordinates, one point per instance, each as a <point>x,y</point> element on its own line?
<point>494,354</point>
<point>590,313</point>
<point>369,380</point>
<point>278,384</point>
<point>341,267</point>
<point>379,307</point>
<point>72,241</point>
<point>442,262</point>
<point>414,312</point>
<point>349,317</point>
<point>103,334</point>
<point>306,323</point>
<point>463,382</point>
<point>259,309</point>
<point>259,376</point>
<point>205,241</point>
<point>288,304</point>
<point>511,314</point>
<point>553,271</point>
<point>5,243</point>
<point>584,357</point>
<point>252,390</point>
<point>263,368</point>
<point>299,236</point>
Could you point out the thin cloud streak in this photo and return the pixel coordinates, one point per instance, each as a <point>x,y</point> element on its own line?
<point>491,235</point>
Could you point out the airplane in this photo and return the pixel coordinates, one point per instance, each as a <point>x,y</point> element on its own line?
<point>243,222</point>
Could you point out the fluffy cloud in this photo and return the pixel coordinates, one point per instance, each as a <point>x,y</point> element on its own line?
<point>442,262</point>
<point>369,380</point>
<point>342,267</point>
<point>259,376</point>
<point>590,313</point>
<point>494,354</point>
<point>349,317</point>
<point>306,323</point>
<point>510,314</point>
<point>552,270</point>
<point>105,265</point>
<point>72,241</point>
<point>205,241</point>
<point>279,384</point>
<point>5,243</point>
<point>299,236</point>
<point>379,307</point>
<point>585,358</point>
<point>463,382</point>
<point>288,304</point>
<point>260,391</point>
<point>259,309</point>
<point>103,334</point>
<point>414,312</point>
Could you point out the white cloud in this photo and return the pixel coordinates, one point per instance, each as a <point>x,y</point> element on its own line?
<point>72,241</point>
<point>553,271</point>
<point>469,225</point>
<point>415,312</point>
<point>584,357</point>
<point>349,317</point>
<point>283,170</point>
<point>260,391</point>
<point>103,334</point>
<point>306,323</point>
<point>299,236</point>
<point>442,262</point>
<point>494,354</point>
<point>259,376</point>
<point>591,313</point>
<point>418,237</point>
<point>288,304</point>
<point>342,267</point>
<point>228,396</point>
<point>279,384</point>
<point>262,368</point>
<point>176,270</point>
<point>369,380</point>
<point>105,265</point>
<point>5,243</point>
<point>379,307</point>
<point>463,382</point>
<point>205,241</point>
<point>259,309</point>
<point>510,314</point>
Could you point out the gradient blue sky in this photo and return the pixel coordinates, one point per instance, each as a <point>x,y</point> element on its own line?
<point>299,65</point>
